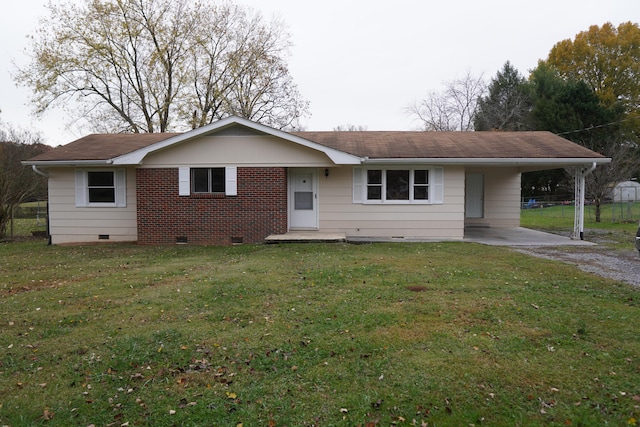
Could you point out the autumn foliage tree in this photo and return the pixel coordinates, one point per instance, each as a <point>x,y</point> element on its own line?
<point>161,65</point>
<point>607,60</point>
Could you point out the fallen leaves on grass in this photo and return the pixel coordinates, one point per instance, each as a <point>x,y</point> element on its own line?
<point>47,415</point>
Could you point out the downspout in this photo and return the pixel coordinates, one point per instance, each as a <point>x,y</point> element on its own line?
<point>39,172</point>
<point>578,223</point>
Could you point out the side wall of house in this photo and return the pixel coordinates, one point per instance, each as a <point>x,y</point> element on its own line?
<point>258,210</point>
<point>501,198</point>
<point>71,224</point>
<point>338,213</point>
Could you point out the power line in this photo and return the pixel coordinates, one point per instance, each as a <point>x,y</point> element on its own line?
<point>598,126</point>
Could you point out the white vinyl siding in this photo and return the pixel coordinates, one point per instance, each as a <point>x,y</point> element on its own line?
<point>501,198</point>
<point>70,223</point>
<point>342,211</point>
<point>250,151</point>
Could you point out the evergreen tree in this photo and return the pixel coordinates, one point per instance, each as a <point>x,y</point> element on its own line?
<point>572,109</point>
<point>507,105</point>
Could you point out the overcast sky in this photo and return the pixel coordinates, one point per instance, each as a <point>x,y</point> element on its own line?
<point>362,62</point>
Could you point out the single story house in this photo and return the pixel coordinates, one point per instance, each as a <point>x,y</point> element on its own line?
<point>236,181</point>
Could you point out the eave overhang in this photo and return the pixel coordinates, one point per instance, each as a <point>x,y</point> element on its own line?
<point>559,162</point>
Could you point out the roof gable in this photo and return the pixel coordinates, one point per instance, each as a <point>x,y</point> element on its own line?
<point>227,125</point>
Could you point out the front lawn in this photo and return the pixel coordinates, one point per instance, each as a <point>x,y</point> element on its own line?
<point>312,334</point>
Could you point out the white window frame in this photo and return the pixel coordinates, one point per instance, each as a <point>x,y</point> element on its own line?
<point>209,181</point>
<point>120,188</point>
<point>436,187</point>
<point>230,184</point>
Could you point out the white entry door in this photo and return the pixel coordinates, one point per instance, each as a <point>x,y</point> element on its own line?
<point>474,195</point>
<point>303,200</point>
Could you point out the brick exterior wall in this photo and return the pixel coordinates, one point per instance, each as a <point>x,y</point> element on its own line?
<point>259,209</point>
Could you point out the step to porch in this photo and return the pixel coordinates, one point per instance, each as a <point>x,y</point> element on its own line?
<point>306,237</point>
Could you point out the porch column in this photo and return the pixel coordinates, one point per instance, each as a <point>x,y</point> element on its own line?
<point>579,184</point>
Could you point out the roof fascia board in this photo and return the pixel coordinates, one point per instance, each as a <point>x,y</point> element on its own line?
<point>63,163</point>
<point>136,157</point>
<point>491,161</point>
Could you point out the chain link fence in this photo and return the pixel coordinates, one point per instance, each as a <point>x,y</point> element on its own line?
<point>29,220</point>
<point>611,211</point>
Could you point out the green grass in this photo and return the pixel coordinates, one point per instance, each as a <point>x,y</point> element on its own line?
<point>617,228</point>
<point>315,334</point>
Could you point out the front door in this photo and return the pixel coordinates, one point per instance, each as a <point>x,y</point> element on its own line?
<point>474,195</point>
<point>303,200</point>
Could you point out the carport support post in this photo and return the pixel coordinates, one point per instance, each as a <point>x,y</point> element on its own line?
<point>578,219</point>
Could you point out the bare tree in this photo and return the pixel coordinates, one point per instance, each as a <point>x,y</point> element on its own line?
<point>350,128</point>
<point>160,65</point>
<point>17,183</point>
<point>624,156</point>
<point>241,70</point>
<point>452,109</point>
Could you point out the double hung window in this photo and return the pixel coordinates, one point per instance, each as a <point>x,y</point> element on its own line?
<point>101,188</point>
<point>208,180</point>
<point>398,185</point>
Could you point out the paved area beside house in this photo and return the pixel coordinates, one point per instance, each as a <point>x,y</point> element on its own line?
<point>306,236</point>
<point>489,236</point>
<point>519,236</point>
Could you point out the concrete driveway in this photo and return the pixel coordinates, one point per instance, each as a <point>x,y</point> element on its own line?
<point>519,236</point>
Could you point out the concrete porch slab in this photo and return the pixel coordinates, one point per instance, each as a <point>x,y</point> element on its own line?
<point>306,237</point>
<point>517,236</point>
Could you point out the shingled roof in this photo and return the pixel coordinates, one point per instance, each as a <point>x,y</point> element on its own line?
<point>368,144</point>
<point>452,145</point>
<point>101,146</point>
